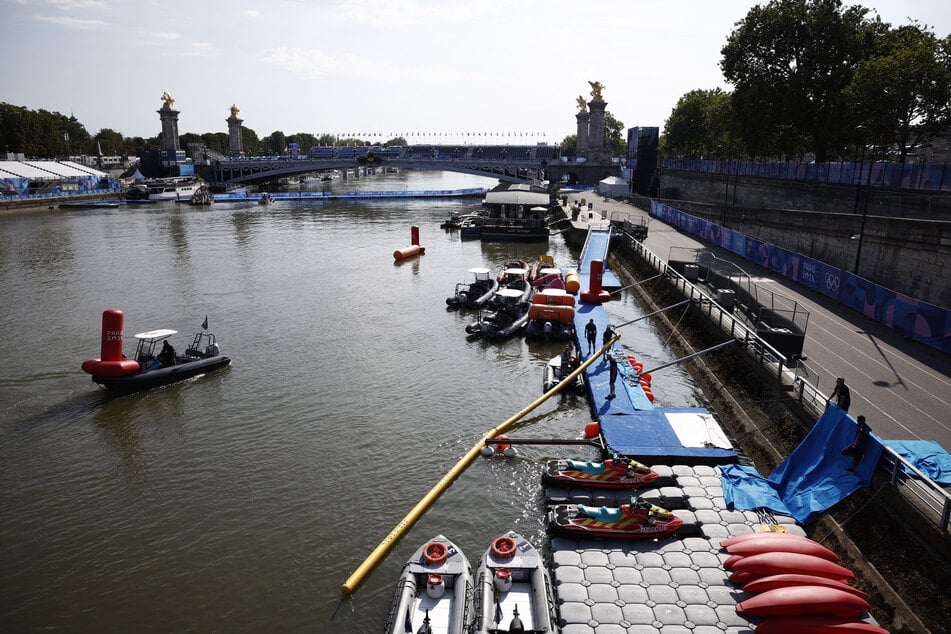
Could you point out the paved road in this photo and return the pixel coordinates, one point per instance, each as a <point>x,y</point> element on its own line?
<point>902,387</point>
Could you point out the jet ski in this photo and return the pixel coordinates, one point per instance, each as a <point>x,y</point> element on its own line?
<point>638,520</point>
<point>614,473</point>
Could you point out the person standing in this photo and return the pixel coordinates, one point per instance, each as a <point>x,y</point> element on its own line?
<point>841,395</point>
<point>606,338</point>
<point>856,449</point>
<point>591,334</point>
<point>612,375</point>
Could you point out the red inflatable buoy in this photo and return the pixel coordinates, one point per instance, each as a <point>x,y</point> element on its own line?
<point>592,429</point>
<point>595,294</point>
<point>435,553</point>
<point>503,547</point>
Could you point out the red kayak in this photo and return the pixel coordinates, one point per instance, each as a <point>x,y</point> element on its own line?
<point>817,624</point>
<point>749,547</point>
<point>804,600</point>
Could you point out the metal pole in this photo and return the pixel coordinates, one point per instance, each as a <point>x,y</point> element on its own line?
<point>691,356</point>
<point>656,312</point>
<point>868,192</point>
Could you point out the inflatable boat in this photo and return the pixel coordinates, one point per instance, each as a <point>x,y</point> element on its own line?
<point>614,473</point>
<point>476,293</point>
<point>638,520</point>
<point>150,367</point>
<point>434,591</point>
<point>507,316</point>
<point>551,315</point>
<point>552,375</point>
<point>513,590</point>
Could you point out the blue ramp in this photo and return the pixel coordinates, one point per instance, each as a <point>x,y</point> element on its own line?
<point>596,248</point>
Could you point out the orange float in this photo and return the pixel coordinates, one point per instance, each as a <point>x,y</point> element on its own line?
<point>503,547</point>
<point>435,553</point>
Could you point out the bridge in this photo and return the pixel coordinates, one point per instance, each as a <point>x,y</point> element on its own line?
<point>507,163</point>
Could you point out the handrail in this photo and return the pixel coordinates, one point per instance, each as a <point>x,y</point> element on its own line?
<point>933,497</point>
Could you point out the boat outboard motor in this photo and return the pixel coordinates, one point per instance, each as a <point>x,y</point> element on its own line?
<point>516,624</point>
<point>425,628</point>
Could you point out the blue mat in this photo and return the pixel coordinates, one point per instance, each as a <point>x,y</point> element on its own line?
<point>813,478</point>
<point>649,435</point>
<point>927,456</point>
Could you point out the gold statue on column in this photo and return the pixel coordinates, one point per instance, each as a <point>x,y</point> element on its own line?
<point>596,88</point>
<point>234,111</point>
<point>167,101</point>
<point>582,105</point>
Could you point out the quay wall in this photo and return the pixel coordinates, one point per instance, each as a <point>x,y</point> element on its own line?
<point>905,238</point>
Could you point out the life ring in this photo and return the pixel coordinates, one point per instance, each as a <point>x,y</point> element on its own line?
<point>435,553</point>
<point>503,547</point>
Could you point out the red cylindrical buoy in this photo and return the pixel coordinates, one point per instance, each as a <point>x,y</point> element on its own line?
<point>595,294</point>
<point>413,249</point>
<point>113,321</point>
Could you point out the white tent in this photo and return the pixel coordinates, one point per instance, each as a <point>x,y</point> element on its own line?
<point>614,186</point>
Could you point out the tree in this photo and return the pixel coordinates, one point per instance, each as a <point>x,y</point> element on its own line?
<point>701,125</point>
<point>569,145</point>
<point>275,143</point>
<point>395,141</point>
<point>614,138</point>
<point>901,96</point>
<point>790,62</point>
<point>249,139</point>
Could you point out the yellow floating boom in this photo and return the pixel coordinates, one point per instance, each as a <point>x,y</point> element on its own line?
<point>355,579</point>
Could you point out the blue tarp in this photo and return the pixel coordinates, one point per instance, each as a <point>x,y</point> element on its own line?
<point>813,478</point>
<point>927,456</point>
<point>745,489</point>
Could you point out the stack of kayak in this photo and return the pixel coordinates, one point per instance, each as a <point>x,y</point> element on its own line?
<point>797,583</point>
<point>512,591</point>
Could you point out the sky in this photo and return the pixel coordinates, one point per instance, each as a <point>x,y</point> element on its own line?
<point>428,70</point>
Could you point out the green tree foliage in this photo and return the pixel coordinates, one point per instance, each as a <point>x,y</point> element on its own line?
<point>902,95</point>
<point>249,139</point>
<point>274,143</point>
<point>614,137</point>
<point>790,62</point>
<point>305,140</point>
<point>701,125</point>
<point>395,141</point>
<point>216,142</point>
<point>569,145</point>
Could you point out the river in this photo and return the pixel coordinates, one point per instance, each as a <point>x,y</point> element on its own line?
<point>242,500</point>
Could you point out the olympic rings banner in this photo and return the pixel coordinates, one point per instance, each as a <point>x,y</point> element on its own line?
<point>918,320</point>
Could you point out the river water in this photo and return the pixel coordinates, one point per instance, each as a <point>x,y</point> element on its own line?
<point>242,500</point>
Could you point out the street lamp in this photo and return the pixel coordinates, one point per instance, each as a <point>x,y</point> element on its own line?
<point>868,192</point>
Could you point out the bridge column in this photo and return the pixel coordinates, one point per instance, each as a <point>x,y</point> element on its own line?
<point>582,136</point>
<point>235,142</point>
<point>596,149</point>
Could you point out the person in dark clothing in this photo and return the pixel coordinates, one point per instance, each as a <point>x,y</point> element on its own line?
<point>840,394</point>
<point>613,376</point>
<point>591,334</point>
<point>167,356</point>
<point>608,335</point>
<point>857,448</point>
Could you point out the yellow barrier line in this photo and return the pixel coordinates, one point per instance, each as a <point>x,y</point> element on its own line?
<point>374,558</point>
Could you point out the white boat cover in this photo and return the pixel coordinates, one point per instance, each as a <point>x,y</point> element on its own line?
<point>156,334</point>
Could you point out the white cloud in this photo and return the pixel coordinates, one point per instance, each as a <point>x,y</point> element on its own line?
<point>251,13</point>
<point>70,23</point>
<point>165,36</point>
<point>313,63</point>
<point>199,49</point>
<point>77,5</point>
